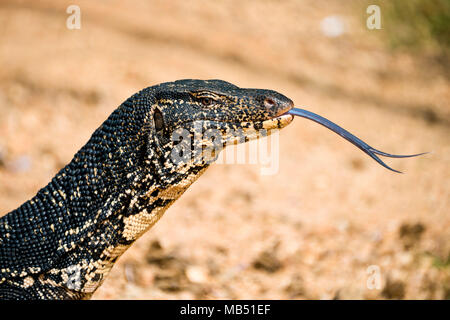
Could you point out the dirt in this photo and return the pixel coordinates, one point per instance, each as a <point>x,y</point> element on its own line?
<point>345,227</point>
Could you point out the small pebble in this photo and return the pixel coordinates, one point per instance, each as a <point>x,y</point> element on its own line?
<point>196,274</point>
<point>2,156</point>
<point>332,26</point>
<point>20,165</point>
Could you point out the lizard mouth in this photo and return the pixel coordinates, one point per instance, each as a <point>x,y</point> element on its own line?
<point>281,119</point>
<point>278,122</point>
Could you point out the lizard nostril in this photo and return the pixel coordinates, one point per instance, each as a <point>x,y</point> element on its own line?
<point>269,102</point>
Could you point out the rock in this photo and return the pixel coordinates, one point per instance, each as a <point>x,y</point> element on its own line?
<point>197,274</point>
<point>20,165</point>
<point>446,293</point>
<point>171,280</point>
<point>410,234</point>
<point>296,287</point>
<point>2,156</point>
<point>332,26</point>
<point>130,273</point>
<point>171,273</point>
<point>158,256</point>
<point>393,289</point>
<point>267,261</point>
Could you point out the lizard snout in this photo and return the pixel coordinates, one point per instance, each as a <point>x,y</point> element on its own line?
<point>277,105</point>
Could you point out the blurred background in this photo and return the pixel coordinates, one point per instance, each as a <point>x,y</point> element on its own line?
<point>331,224</point>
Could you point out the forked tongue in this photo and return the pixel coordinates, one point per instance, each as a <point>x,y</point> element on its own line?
<point>372,152</point>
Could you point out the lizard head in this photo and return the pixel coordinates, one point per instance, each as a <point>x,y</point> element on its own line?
<point>194,119</point>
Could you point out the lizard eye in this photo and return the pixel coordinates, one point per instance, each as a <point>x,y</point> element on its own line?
<point>206,101</point>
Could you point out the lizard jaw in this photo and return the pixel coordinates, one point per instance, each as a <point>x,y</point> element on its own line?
<point>277,122</point>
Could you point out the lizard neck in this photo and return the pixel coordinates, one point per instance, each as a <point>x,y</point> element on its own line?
<point>65,240</point>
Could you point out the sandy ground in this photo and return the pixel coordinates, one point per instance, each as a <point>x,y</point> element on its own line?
<point>330,224</point>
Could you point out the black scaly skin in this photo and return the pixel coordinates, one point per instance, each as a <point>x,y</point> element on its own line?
<point>62,243</point>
